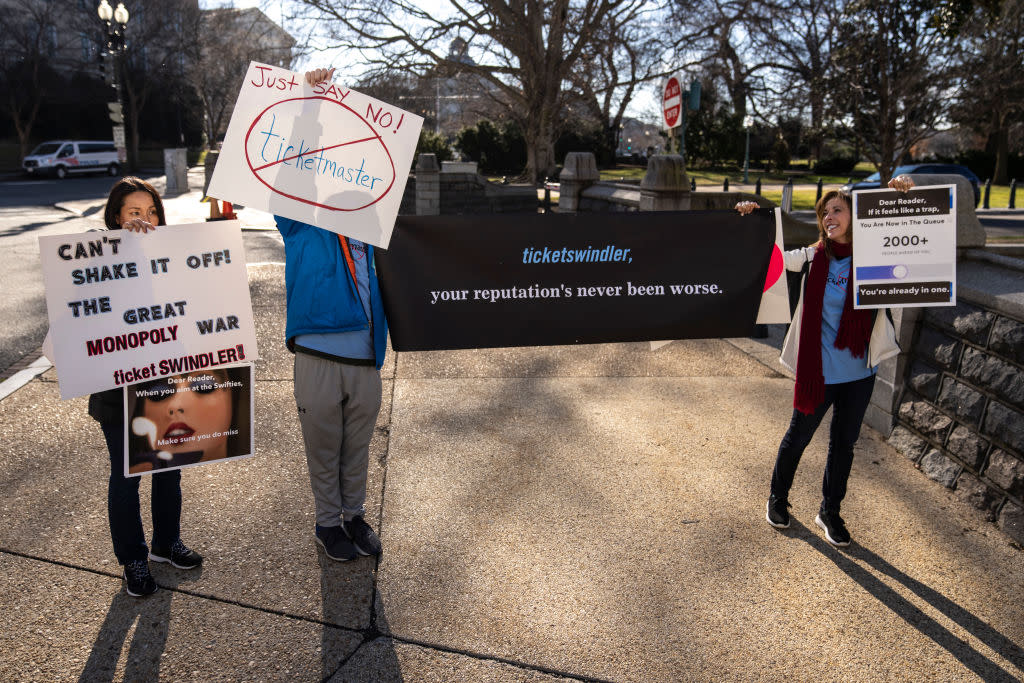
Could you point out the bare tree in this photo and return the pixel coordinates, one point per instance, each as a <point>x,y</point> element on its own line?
<point>891,69</point>
<point>623,56</point>
<point>797,48</point>
<point>716,38</point>
<point>157,48</point>
<point>991,77</point>
<point>27,46</point>
<point>525,51</point>
<point>230,39</point>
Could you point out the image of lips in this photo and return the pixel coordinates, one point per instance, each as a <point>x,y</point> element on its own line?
<point>177,432</point>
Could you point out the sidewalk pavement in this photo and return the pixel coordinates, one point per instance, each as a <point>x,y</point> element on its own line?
<point>589,513</point>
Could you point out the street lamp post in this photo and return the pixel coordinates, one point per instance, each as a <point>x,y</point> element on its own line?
<point>747,123</point>
<point>113,50</point>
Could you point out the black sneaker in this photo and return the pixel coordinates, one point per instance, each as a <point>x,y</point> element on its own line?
<point>137,579</point>
<point>834,527</point>
<point>362,536</point>
<point>777,514</point>
<point>335,543</point>
<point>180,555</point>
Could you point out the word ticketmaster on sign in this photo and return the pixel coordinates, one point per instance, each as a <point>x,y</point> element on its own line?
<point>326,155</point>
<point>133,307</point>
<point>646,279</point>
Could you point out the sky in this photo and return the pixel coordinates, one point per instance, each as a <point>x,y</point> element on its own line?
<point>644,104</point>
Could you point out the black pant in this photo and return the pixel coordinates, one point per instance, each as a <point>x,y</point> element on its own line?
<point>123,503</point>
<point>850,401</point>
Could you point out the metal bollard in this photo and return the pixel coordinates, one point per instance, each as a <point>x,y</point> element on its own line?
<point>818,196</point>
<point>988,189</point>
<point>693,185</point>
<point>1013,195</point>
<point>725,185</point>
<point>757,188</point>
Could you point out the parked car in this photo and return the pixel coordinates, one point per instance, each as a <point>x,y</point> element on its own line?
<point>61,157</point>
<point>871,182</point>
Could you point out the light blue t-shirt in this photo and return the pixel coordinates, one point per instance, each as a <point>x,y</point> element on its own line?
<point>838,365</point>
<point>357,344</point>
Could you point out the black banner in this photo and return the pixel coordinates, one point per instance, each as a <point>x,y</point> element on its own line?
<point>462,282</point>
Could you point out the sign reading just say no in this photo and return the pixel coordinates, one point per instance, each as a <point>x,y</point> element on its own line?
<point>324,155</point>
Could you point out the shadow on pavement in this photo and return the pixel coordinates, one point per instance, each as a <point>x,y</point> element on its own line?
<point>151,617</point>
<point>374,659</point>
<point>977,662</point>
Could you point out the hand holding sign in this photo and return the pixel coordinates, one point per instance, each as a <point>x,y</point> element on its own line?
<point>317,152</point>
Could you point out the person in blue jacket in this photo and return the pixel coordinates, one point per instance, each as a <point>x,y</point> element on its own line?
<point>337,330</point>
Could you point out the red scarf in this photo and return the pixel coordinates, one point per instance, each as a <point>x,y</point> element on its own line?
<point>853,334</point>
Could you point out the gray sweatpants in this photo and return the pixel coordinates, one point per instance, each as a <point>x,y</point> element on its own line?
<point>338,405</point>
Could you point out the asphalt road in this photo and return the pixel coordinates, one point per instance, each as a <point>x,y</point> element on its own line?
<point>27,213</point>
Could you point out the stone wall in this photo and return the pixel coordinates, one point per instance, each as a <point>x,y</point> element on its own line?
<point>408,205</point>
<point>457,188</point>
<point>469,192</point>
<point>961,415</point>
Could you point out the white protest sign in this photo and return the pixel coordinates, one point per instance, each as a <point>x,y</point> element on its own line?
<point>125,307</point>
<point>904,247</point>
<point>325,155</point>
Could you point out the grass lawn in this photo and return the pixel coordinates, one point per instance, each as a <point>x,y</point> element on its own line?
<point>999,195</point>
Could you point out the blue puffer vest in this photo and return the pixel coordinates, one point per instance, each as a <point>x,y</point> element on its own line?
<point>321,294</point>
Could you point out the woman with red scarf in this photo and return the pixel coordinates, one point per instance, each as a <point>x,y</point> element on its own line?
<point>835,351</point>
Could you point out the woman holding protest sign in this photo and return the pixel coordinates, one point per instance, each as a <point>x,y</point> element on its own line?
<point>135,205</point>
<point>834,351</point>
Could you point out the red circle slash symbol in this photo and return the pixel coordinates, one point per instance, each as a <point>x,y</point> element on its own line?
<point>352,130</point>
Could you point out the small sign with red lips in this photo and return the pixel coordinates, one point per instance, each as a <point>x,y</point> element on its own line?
<point>324,155</point>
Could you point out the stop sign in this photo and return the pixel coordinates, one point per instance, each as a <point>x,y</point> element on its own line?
<point>672,102</point>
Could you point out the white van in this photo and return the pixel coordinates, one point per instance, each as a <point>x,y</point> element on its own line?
<point>61,157</point>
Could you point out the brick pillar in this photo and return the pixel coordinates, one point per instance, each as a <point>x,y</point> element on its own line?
<point>578,173</point>
<point>428,186</point>
<point>884,406</point>
<point>665,186</point>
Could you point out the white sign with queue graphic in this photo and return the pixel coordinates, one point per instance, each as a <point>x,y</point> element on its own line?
<point>904,247</point>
